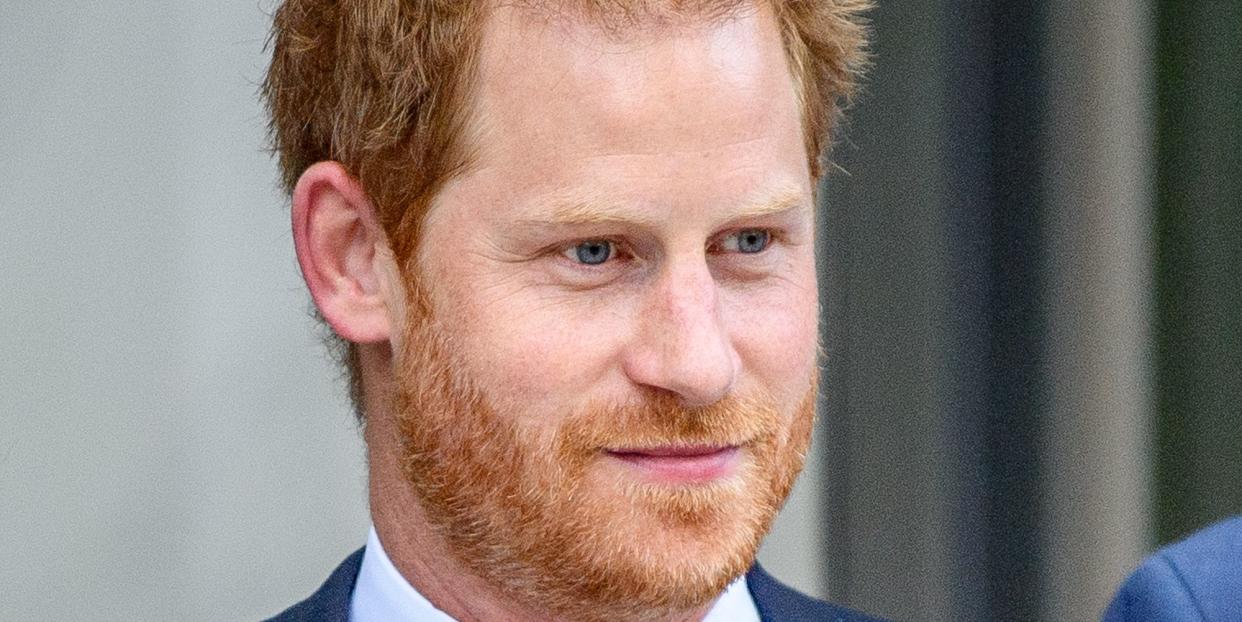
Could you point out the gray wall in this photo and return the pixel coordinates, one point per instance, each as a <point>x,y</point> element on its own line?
<point>172,444</point>
<point>1099,177</point>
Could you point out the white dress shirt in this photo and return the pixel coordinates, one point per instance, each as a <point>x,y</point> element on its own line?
<point>383,595</point>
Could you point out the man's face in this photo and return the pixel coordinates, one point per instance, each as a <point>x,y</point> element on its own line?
<point>613,389</point>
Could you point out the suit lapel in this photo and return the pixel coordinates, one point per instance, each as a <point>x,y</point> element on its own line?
<point>330,603</point>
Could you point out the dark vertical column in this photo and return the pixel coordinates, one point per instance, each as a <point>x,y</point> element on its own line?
<point>969,222</point>
<point>933,322</point>
<point>884,283</point>
<point>970,195</point>
<point>1199,265</point>
<point>996,92</point>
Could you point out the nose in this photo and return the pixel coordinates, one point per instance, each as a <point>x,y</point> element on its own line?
<point>681,345</point>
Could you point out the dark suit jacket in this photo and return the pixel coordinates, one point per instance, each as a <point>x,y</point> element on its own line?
<point>776,602</point>
<point>1198,579</point>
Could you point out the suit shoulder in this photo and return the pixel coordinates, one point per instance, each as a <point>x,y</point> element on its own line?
<point>1199,578</point>
<point>1153,592</point>
<point>778,602</point>
<point>330,603</point>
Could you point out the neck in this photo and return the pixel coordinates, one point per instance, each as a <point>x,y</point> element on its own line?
<point>421,557</point>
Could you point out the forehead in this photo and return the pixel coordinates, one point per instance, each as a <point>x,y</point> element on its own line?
<point>557,93</point>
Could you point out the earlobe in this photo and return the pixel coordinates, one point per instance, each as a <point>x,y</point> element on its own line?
<point>336,233</point>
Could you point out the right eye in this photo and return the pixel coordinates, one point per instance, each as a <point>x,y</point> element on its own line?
<point>591,252</point>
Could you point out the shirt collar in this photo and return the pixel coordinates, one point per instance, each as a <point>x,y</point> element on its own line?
<point>382,595</point>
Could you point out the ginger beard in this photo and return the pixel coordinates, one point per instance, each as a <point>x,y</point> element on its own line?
<point>542,516</point>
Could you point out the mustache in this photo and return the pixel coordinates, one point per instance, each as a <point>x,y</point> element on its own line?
<point>662,421</point>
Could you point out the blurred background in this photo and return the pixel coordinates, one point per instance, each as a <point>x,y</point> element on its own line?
<point>1032,315</point>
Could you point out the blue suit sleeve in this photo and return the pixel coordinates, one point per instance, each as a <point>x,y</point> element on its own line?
<point>1156,592</point>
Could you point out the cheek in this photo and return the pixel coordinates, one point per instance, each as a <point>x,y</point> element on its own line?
<point>775,331</point>
<point>528,349</point>
<point>541,353</point>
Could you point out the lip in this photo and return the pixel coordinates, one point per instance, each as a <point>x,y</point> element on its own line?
<point>681,464</point>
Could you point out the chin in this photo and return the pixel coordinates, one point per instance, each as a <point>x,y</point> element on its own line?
<point>678,546</point>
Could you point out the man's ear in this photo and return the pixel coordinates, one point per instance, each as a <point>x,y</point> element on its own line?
<point>336,233</point>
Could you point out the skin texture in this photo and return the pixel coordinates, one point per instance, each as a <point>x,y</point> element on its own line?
<point>500,370</point>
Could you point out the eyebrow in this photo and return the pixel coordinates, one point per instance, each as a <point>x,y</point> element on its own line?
<point>598,211</point>
<point>785,200</point>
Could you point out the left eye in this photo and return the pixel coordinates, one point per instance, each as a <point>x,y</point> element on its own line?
<point>591,252</point>
<point>747,241</point>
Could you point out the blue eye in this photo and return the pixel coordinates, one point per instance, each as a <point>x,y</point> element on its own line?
<point>748,241</point>
<point>593,252</point>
